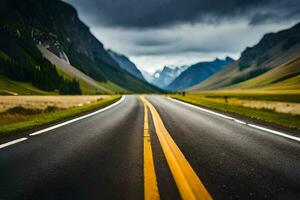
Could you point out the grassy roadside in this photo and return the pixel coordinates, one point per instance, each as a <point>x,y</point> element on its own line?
<point>47,118</point>
<point>8,86</point>
<point>285,120</point>
<point>254,94</point>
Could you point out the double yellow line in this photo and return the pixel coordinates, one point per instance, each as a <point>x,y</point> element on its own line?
<point>150,182</point>
<point>188,183</point>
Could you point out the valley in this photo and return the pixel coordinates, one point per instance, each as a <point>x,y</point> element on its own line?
<point>192,100</point>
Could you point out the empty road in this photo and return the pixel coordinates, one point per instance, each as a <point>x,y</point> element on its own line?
<point>175,151</point>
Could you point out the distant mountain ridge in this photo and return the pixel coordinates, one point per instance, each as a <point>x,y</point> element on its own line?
<point>55,24</point>
<point>197,73</point>
<point>272,51</point>
<point>162,78</point>
<point>147,76</point>
<point>126,64</point>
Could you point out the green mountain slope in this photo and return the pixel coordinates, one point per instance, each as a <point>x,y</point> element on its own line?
<point>273,50</point>
<point>55,25</point>
<point>87,84</point>
<point>11,87</point>
<point>285,76</point>
<point>21,61</point>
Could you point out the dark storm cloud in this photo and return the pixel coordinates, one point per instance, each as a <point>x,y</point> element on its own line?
<point>154,13</point>
<point>156,41</point>
<point>282,14</point>
<point>154,33</point>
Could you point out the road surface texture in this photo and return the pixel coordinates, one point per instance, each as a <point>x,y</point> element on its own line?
<point>101,157</point>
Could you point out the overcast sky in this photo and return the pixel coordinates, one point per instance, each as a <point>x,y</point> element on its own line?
<point>154,33</point>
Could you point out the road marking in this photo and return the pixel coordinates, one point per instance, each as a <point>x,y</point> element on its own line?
<point>12,142</point>
<point>276,132</point>
<point>62,124</point>
<point>241,122</point>
<point>150,182</point>
<point>202,109</point>
<point>188,183</point>
<point>78,118</point>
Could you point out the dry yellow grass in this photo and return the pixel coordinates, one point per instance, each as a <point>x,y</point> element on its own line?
<point>42,102</point>
<point>28,112</point>
<point>280,107</point>
<point>276,106</point>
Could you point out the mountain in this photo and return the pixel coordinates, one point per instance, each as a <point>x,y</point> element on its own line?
<point>197,73</point>
<point>69,72</point>
<point>285,76</point>
<point>147,76</point>
<point>162,78</point>
<point>126,64</point>
<point>55,25</point>
<point>272,51</point>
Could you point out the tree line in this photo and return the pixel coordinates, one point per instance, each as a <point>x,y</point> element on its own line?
<point>20,60</point>
<point>44,77</point>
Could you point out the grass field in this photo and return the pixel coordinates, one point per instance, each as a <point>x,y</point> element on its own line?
<point>274,107</point>
<point>20,113</point>
<point>42,102</point>
<point>255,94</point>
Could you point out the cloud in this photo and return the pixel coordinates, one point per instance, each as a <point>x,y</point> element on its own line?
<point>154,33</point>
<point>278,16</point>
<point>183,44</point>
<point>157,13</point>
<point>206,38</point>
<point>156,41</point>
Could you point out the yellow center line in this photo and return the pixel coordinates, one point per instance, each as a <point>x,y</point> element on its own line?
<point>188,183</point>
<point>150,182</point>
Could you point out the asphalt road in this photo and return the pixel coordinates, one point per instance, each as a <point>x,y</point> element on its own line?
<point>101,157</point>
<point>234,161</point>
